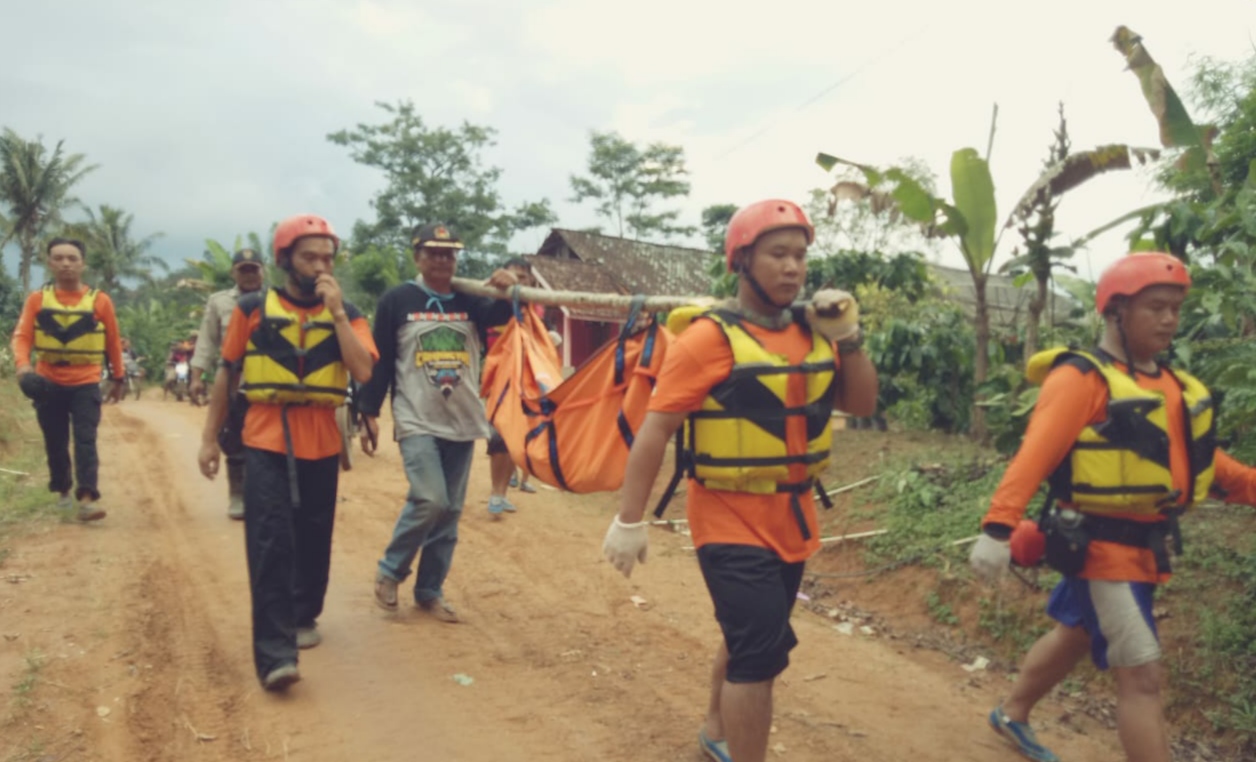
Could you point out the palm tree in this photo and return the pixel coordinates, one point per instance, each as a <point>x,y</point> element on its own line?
<point>112,254</point>
<point>34,190</point>
<point>215,262</point>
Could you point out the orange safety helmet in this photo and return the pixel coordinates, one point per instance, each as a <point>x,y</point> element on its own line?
<point>761,217</point>
<point>1028,544</point>
<point>300,226</point>
<point>1136,271</point>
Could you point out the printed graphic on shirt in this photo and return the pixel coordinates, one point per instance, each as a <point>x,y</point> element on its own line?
<point>443,356</point>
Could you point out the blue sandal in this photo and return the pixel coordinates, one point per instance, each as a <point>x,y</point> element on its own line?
<point>1020,735</point>
<point>716,750</point>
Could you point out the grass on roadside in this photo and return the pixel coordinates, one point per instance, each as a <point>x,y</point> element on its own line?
<point>24,497</point>
<point>25,686</point>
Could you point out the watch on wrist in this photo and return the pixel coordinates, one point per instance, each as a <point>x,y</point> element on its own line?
<point>851,343</point>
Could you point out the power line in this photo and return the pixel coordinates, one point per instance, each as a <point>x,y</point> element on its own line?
<point>818,96</point>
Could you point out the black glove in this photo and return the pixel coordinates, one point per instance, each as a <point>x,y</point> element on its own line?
<point>33,386</point>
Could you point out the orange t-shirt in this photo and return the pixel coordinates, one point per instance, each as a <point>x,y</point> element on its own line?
<point>314,432</point>
<point>699,359</point>
<point>68,375</point>
<point>1070,400</point>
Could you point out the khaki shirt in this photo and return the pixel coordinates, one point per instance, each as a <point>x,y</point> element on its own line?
<point>218,311</point>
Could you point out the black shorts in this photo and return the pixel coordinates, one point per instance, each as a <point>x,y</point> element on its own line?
<point>496,445</point>
<point>754,592</point>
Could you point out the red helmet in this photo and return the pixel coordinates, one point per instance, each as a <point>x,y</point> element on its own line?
<point>761,217</point>
<point>1028,544</point>
<point>1134,272</point>
<point>299,226</point>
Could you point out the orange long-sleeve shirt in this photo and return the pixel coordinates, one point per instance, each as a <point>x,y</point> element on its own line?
<point>68,375</point>
<point>1070,400</point>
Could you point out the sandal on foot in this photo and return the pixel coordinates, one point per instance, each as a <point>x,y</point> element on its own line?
<point>716,750</point>
<point>1020,735</point>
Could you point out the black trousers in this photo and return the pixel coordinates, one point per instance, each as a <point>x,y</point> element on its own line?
<point>288,547</point>
<point>62,410</point>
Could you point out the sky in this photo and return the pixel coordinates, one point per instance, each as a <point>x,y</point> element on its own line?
<point>210,119</point>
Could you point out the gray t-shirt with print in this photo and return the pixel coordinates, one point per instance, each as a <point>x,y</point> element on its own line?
<point>430,348</point>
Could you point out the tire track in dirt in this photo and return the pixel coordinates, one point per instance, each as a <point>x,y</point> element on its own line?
<point>565,666</point>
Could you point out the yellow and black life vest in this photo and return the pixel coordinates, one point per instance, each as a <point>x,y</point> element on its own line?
<point>737,440</point>
<point>69,335</point>
<point>1121,465</point>
<point>288,361</point>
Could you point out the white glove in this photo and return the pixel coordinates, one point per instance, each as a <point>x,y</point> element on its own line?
<point>626,544</point>
<point>990,557</point>
<point>834,313</point>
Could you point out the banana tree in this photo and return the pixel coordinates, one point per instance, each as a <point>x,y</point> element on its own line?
<point>1034,215</point>
<point>970,220</point>
<point>1177,130</point>
<point>215,263</point>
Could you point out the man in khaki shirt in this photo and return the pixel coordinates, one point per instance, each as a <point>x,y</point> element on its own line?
<point>246,270</point>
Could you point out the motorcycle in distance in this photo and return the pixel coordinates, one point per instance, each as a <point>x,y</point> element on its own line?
<point>134,377</point>
<point>178,376</point>
<point>132,384</point>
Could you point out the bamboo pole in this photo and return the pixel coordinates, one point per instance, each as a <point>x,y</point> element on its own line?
<point>622,302</point>
<point>853,485</point>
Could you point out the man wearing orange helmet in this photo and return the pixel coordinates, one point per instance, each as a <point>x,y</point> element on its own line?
<point>292,350</point>
<point>1127,445</point>
<point>757,380</point>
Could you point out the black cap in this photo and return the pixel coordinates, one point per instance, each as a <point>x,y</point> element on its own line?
<point>435,235</point>
<point>246,255</point>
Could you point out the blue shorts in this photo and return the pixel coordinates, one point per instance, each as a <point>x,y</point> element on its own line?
<point>1116,615</point>
<point>754,592</point>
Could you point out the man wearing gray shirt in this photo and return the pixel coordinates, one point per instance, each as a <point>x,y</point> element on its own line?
<point>430,339</point>
<point>246,271</point>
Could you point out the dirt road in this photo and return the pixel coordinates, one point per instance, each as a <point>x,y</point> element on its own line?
<point>129,640</point>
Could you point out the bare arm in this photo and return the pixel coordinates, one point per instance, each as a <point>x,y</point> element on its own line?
<point>208,456</point>
<point>644,461</point>
<point>357,358</point>
<point>856,385</point>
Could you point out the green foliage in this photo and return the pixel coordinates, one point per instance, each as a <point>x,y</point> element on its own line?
<point>941,612</point>
<point>973,190</point>
<point>923,353</point>
<point>1176,127</point>
<point>625,182</point>
<point>35,189</point>
<point>1228,368</point>
<point>930,506</point>
<point>906,273</point>
<point>1214,587</point>
<point>152,325</point>
<point>369,273</point>
<point>434,174</point>
<point>715,219</point>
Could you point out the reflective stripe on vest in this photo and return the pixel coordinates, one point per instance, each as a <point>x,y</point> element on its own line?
<point>1121,464</point>
<point>69,335</point>
<point>737,439</point>
<point>288,361</point>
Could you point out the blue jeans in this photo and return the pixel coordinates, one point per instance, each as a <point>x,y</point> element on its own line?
<point>437,470</point>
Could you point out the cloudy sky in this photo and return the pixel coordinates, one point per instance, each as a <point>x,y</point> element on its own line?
<point>209,119</point>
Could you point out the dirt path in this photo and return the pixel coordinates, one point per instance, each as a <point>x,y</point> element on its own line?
<point>129,640</point>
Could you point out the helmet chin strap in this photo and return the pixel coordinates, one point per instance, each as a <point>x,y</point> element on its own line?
<point>305,284</point>
<point>744,271</point>
<point>1125,346</point>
